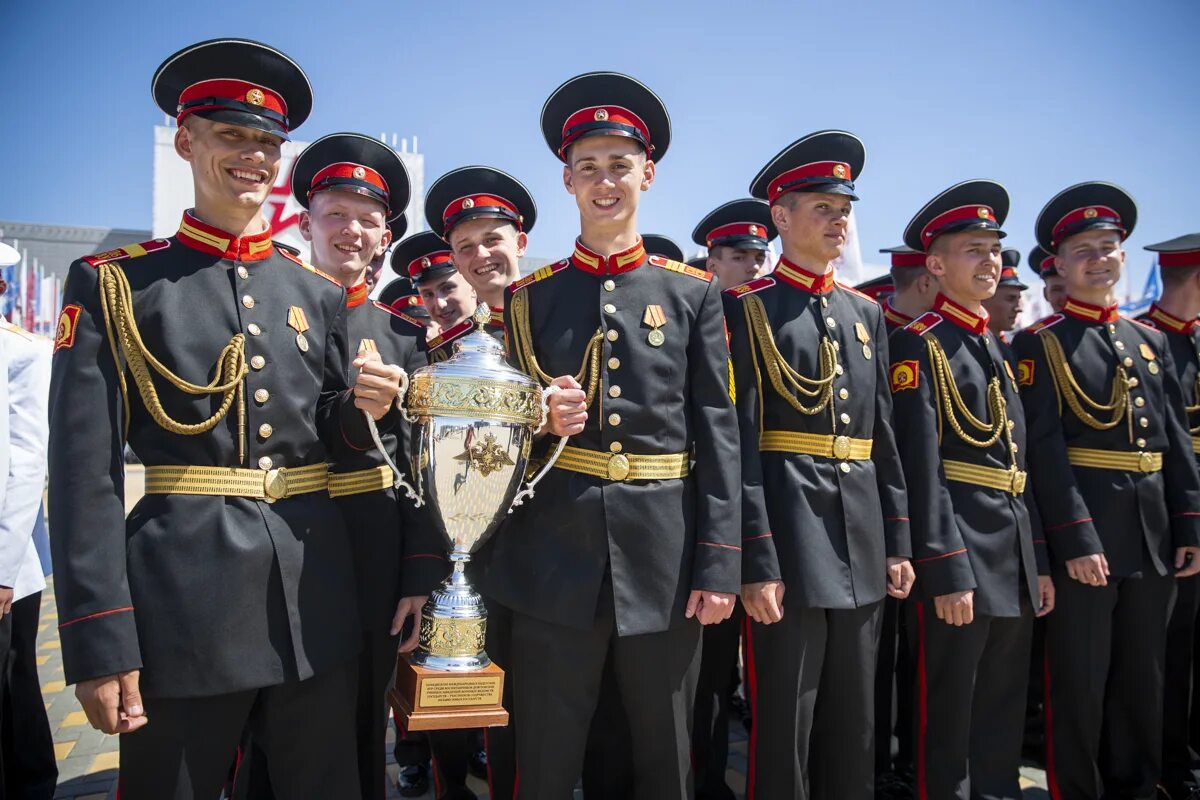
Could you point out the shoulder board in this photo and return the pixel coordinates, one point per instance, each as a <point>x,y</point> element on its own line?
<point>295,259</point>
<point>537,275</point>
<point>1147,321</point>
<point>5,325</point>
<point>750,287</point>
<point>396,313</point>
<point>675,266</point>
<point>924,323</point>
<point>128,251</point>
<point>451,334</point>
<point>1044,323</point>
<point>852,290</point>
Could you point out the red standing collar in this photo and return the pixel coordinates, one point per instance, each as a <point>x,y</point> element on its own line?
<point>961,315</point>
<point>1170,322</point>
<point>592,262</point>
<point>793,275</point>
<point>201,236</point>
<point>1087,312</point>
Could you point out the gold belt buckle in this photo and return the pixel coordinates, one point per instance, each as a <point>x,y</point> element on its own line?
<point>618,467</point>
<point>1018,481</point>
<point>841,447</point>
<point>1145,461</point>
<point>275,484</point>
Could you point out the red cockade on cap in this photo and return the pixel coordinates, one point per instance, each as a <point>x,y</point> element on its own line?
<point>233,94</point>
<point>913,259</point>
<point>1073,220</point>
<point>479,205</point>
<point>816,172</point>
<point>419,265</point>
<point>741,229</point>
<point>618,119</point>
<point>349,174</point>
<point>960,214</point>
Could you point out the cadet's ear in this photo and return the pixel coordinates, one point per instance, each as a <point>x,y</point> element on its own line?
<point>567,179</point>
<point>183,142</point>
<point>779,215</point>
<point>305,225</point>
<point>522,242</point>
<point>648,172</point>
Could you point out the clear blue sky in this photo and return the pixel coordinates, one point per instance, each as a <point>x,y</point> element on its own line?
<point>1036,94</point>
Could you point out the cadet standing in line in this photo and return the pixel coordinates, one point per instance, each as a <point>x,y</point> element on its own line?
<point>738,236</point>
<point>235,456</point>
<point>915,287</point>
<point>1004,307</point>
<point>1119,498</point>
<point>354,190</point>
<point>632,537</point>
<point>1174,313</point>
<point>425,260</point>
<point>1054,288</point>
<point>824,511</point>
<point>981,573</point>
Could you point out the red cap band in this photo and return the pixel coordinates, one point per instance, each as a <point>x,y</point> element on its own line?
<point>743,229</point>
<point>479,205</point>
<point>1082,216</point>
<point>419,265</point>
<point>808,173</point>
<point>618,120</point>
<point>971,213</point>
<point>346,173</point>
<point>908,260</point>
<point>213,92</point>
<point>1187,258</point>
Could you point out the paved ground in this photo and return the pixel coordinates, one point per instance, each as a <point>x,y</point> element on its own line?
<point>88,760</point>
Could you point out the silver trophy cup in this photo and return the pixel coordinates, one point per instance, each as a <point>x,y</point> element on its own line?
<point>473,422</point>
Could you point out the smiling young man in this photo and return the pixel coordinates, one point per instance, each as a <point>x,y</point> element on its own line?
<point>738,235</point>
<point>632,537</point>
<point>824,513</point>
<point>1004,307</point>
<point>354,190</point>
<point>235,457</point>
<point>980,574</point>
<point>1119,498</point>
<point>425,260</point>
<point>1174,313</point>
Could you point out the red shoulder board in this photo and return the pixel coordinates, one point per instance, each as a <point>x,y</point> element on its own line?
<point>128,251</point>
<point>396,313</point>
<point>539,274</point>
<point>750,287</point>
<point>924,323</point>
<point>675,266</point>
<point>451,334</point>
<point>1044,323</point>
<point>290,256</point>
<point>852,290</point>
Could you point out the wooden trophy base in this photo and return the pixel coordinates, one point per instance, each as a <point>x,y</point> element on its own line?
<point>432,700</point>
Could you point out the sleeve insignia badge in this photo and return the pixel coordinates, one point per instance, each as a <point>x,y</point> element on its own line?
<point>64,336</point>
<point>1025,372</point>
<point>905,375</point>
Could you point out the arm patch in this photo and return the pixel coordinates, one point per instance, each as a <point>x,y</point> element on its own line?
<point>905,375</point>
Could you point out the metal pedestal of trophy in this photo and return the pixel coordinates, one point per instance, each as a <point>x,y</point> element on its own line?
<point>474,419</point>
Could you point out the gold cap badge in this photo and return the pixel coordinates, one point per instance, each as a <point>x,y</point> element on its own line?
<point>425,262</point>
<point>359,173</point>
<point>984,212</point>
<point>600,115</point>
<point>255,97</point>
<point>1090,213</point>
<point>468,203</point>
<point>839,171</point>
<point>754,230</point>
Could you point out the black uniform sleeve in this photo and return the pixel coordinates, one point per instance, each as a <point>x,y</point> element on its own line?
<point>1181,481</point>
<point>1066,521</point>
<point>343,427</point>
<point>718,555</point>
<point>1040,553</point>
<point>759,559</point>
<point>939,551</point>
<point>87,494</point>
<point>888,471</point>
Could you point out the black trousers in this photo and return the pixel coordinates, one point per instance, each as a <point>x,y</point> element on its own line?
<point>26,744</point>
<point>893,695</point>
<point>970,704</point>
<point>558,673</point>
<point>812,688</point>
<point>1105,653</point>
<point>1181,763</point>
<point>304,728</point>
<point>710,726</point>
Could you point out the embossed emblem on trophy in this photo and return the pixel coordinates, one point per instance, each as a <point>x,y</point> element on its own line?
<point>473,422</point>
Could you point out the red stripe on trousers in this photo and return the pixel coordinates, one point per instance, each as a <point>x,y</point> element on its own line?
<point>752,680</point>
<point>1051,777</point>
<point>922,703</point>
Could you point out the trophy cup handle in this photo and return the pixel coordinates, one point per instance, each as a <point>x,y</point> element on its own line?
<point>528,489</point>
<point>400,481</point>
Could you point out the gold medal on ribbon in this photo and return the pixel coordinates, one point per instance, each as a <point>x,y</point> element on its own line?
<point>864,338</point>
<point>298,321</point>
<point>655,318</point>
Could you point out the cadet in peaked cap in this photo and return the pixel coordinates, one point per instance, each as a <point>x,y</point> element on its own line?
<point>401,295</point>
<point>877,288</point>
<point>801,323</point>
<point>977,564</point>
<point>425,259</point>
<point>486,216</point>
<point>915,288</point>
<point>1004,307</point>
<point>1174,313</point>
<point>1118,493</point>
<point>1054,288</point>
<point>236,465</point>
<point>633,569</point>
<point>351,163</point>
<point>738,235</point>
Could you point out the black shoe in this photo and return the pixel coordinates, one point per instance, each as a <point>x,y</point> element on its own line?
<point>413,780</point>
<point>893,786</point>
<point>477,765</point>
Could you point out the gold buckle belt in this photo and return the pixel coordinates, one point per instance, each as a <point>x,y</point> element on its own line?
<point>623,466</point>
<point>816,444</point>
<point>261,484</point>
<point>1011,480</point>
<point>1139,461</point>
<point>361,481</point>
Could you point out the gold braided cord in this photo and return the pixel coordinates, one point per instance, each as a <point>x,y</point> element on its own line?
<point>955,408</point>
<point>522,337</point>
<point>1070,390</point>
<point>116,301</point>
<point>779,370</point>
